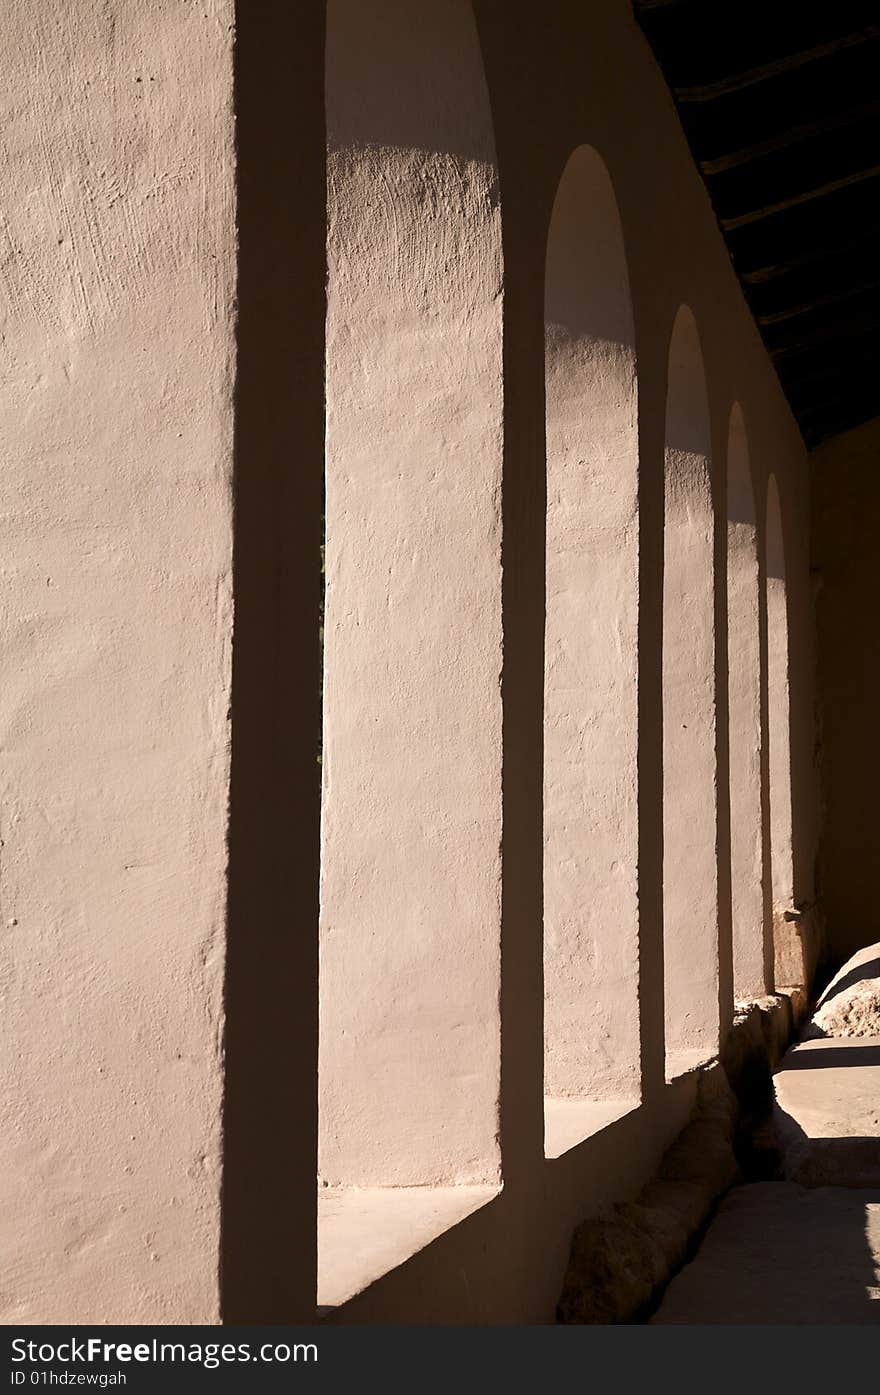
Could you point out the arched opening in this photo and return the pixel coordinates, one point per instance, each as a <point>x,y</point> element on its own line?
<point>690,873</point>
<point>591,1011</point>
<point>409,1055</point>
<point>751,972</point>
<point>788,961</point>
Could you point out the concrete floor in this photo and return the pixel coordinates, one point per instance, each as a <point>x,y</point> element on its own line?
<point>785,1252</point>
<point>781,1253</point>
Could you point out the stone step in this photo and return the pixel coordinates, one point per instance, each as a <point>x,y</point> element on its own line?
<point>826,1115</point>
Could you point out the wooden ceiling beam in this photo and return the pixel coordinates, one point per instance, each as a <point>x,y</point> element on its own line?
<point>722,87</point>
<point>780,316</point>
<point>803,243</point>
<point>827,412</point>
<point>839,387</point>
<point>647,5</point>
<point>856,368</point>
<point>805,342</point>
<point>832,186</point>
<point>784,139</point>
<point>759,275</point>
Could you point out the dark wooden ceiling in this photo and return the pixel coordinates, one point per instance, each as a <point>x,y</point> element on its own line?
<point>780,103</point>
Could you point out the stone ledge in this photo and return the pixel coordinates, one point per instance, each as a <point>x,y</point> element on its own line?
<point>622,1258</point>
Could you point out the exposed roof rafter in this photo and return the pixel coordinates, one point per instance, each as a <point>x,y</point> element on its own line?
<point>832,186</point>
<point>780,316</point>
<point>781,109</point>
<point>830,334</point>
<point>760,275</point>
<point>783,140</point>
<point>722,87</point>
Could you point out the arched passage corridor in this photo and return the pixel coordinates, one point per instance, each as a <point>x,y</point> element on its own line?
<point>690,874</point>
<point>591,1010</point>
<point>432,263</point>
<point>752,973</point>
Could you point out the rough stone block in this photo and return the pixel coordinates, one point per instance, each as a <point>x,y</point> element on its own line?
<point>621,1259</point>
<point>827,1112</point>
<point>850,1005</point>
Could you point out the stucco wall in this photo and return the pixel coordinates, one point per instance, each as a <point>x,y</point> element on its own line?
<point>590,659</point>
<point>116,275</point>
<point>752,947</point>
<point>117,420</point>
<point>846,520</point>
<point>561,76</point>
<point>411,823</point>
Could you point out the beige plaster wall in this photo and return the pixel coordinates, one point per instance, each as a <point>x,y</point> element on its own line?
<point>690,783</point>
<point>116,717</point>
<point>411,820</point>
<point>787,956</point>
<point>116,275</point>
<point>561,77</point>
<point>591,1023</point>
<point>752,964</point>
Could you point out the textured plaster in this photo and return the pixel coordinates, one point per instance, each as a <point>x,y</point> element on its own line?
<point>591,648</point>
<point>750,977</point>
<point>690,876</point>
<point>788,959</point>
<point>589,81</point>
<point>116,419</point>
<point>411,838</point>
<point>116,270</point>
